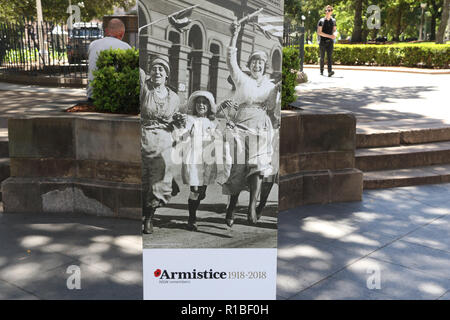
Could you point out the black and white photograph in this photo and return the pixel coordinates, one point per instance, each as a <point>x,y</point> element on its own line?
<point>210,101</point>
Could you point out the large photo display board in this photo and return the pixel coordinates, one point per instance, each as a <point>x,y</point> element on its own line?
<point>210,73</point>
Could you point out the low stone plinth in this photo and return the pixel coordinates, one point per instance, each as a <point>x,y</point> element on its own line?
<point>317,159</point>
<point>92,163</point>
<point>74,163</point>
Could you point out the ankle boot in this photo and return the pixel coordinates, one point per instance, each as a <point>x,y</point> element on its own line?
<point>192,221</point>
<point>148,224</point>
<point>252,217</point>
<point>229,219</point>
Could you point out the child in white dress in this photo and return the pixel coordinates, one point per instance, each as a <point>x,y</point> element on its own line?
<point>199,167</point>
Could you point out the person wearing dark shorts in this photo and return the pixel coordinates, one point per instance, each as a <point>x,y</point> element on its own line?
<point>325,30</point>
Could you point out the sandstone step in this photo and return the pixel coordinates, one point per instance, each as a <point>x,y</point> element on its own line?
<point>407,177</point>
<point>4,172</point>
<point>394,133</point>
<point>389,158</point>
<point>4,152</point>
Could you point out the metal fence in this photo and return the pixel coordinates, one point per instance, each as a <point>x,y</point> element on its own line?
<point>294,36</point>
<point>48,48</point>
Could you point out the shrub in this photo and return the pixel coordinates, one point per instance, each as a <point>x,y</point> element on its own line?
<point>427,55</point>
<point>116,81</point>
<point>291,64</point>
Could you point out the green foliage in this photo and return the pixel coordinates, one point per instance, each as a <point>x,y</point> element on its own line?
<point>291,64</point>
<point>15,10</point>
<point>116,82</point>
<point>400,19</point>
<point>426,55</point>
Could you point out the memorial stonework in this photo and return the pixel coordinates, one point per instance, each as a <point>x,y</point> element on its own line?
<point>317,159</point>
<point>85,164</point>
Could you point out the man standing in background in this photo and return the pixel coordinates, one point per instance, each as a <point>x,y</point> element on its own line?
<point>114,32</point>
<point>325,30</point>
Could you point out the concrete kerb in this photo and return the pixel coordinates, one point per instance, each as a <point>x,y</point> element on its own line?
<point>43,80</point>
<point>385,69</point>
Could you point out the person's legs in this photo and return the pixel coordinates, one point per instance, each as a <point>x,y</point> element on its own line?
<point>255,182</point>
<point>322,56</point>
<point>196,196</point>
<point>330,57</point>
<point>266,187</point>
<point>229,219</point>
<point>148,212</point>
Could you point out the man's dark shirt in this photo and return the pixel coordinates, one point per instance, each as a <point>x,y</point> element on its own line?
<point>327,27</point>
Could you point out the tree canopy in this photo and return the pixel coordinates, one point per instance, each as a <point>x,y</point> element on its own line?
<point>56,10</point>
<point>400,19</point>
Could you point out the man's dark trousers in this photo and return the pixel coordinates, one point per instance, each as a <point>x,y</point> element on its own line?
<point>326,45</point>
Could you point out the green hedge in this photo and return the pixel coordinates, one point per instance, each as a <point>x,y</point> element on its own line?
<point>408,55</point>
<point>116,81</point>
<point>291,64</point>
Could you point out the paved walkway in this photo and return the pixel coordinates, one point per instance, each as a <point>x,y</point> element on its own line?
<point>324,251</point>
<point>18,99</point>
<point>395,244</point>
<point>379,100</point>
<point>37,250</point>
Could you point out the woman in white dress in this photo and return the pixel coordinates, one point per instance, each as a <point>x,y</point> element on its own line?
<point>159,117</point>
<point>252,129</point>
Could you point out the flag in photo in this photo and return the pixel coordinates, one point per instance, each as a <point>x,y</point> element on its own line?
<point>270,26</point>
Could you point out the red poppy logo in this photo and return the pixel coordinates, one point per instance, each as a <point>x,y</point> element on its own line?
<point>157,272</point>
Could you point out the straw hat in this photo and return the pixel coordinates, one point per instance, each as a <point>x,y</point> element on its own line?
<point>200,93</point>
<point>162,61</point>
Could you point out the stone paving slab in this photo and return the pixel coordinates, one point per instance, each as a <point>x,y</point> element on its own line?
<point>324,251</point>
<point>436,235</point>
<point>36,251</point>
<point>11,292</point>
<point>417,257</point>
<point>95,284</point>
<point>445,296</point>
<point>304,264</point>
<point>396,282</point>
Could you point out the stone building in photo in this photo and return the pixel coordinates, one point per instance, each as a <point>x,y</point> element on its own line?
<point>197,55</point>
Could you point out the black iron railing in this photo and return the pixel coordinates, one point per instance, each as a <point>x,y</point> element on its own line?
<point>294,36</point>
<point>47,48</point>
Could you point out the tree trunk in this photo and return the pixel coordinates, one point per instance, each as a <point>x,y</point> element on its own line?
<point>444,22</point>
<point>435,15</point>
<point>433,27</point>
<point>398,27</point>
<point>357,25</point>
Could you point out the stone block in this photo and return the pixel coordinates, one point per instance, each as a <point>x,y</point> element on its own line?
<point>41,138</point>
<point>331,132</point>
<point>316,187</point>
<point>118,171</point>
<point>109,140</point>
<point>384,139</point>
<point>346,185</point>
<point>4,149</point>
<point>338,160</point>
<point>425,135</point>
<point>43,167</point>
<point>94,199</point>
<point>290,192</point>
<point>57,195</point>
<point>290,133</point>
<point>21,195</point>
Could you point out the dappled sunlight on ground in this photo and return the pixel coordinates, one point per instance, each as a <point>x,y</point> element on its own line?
<point>400,237</point>
<point>37,249</point>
